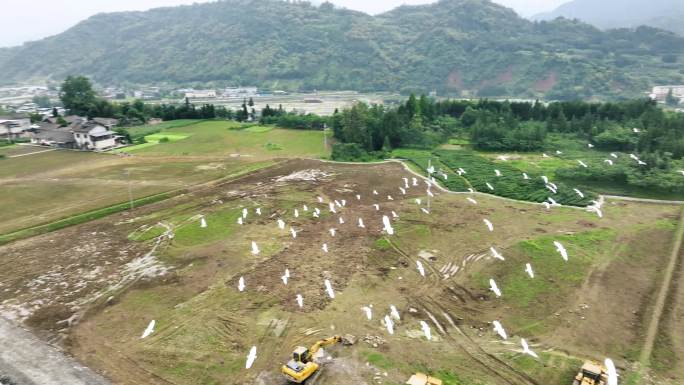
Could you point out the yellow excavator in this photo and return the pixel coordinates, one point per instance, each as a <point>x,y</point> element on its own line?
<point>302,365</point>
<point>591,373</point>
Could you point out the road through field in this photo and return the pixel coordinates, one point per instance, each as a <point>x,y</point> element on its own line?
<point>28,361</point>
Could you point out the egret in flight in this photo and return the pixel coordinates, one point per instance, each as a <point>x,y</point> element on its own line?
<point>500,330</point>
<point>561,249</point>
<point>426,330</point>
<point>493,287</point>
<point>251,357</point>
<point>528,269</point>
<point>241,284</point>
<point>526,349</point>
<point>149,330</point>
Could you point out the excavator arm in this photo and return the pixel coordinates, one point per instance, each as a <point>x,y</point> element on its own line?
<point>322,343</point>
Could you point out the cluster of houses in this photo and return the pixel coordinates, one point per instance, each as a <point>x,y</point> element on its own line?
<point>74,132</point>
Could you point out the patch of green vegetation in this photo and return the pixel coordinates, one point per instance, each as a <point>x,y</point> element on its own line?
<point>259,129</point>
<point>147,234</point>
<point>220,225</point>
<point>382,244</point>
<point>378,360</point>
<point>273,146</point>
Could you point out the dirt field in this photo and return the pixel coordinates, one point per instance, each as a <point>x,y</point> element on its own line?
<point>103,282</point>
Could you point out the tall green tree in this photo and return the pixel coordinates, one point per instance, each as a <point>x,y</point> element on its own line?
<point>77,95</point>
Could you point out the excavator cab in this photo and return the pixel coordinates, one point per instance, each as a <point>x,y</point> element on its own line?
<point>591,373</point>
<point>301,354</point>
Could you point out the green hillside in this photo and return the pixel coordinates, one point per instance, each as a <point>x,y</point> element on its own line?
<point>457,47</point>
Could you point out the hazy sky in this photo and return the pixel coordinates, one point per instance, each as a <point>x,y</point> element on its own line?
<point>26,20</point>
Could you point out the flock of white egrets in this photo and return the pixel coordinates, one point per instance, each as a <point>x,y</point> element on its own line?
<point>337,207</point>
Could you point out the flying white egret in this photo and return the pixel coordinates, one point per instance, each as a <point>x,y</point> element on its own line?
<point>489,224</point>
<point>338,204</point>
<point>430,194</point>
<point>317,210</point>
<point>300,300</point>
<point>558,152</point>
<point>332,232</point>
<point>389,324</point>
<point>325,247</point>
<point>203,222</point>
<point>641,162</point>
<point>590,145</point>
<point>610,162</point>
<point>496,254</point>
<point>582,164</point>
<point>633,156</point>
<point>414,181</point>
<point>493,287</point>
<point>315,214</point>
<point>500,330</point>
<point>525,176</point>
<point>471,200</point>
<point>526,349</point>
<point>284,278</point>
<point>581,194</point>
<point>329,289</point>
<point>426,211</point>
<point>561,249</point>
<point>251,357</point>
<point>293,232</point>
<point>361,225</point>
<point>431,170</point>
<point>244,213</point>
<point>320,199</point>
<point>421,269</point>
<point>614,155</point>
<point>296,213</point>
<point>595,209</point>
<point>241,284</point>
<point>258,210</point>
<point>470,190</point>
<point>341,220</point>
<point>612,372</point>
<point>375,192</point>
<point>255,248</point>
<point>331,206</point>
<point>545,179</point>
<point>394,215</point>
<point>368,311</point>
<point>419,201</point>
<point>553,202</point>
<point>394,313</point>
<point>387,225</point>
<point>240,221</point>
<point>544,155</point>
<point>426,330</point>
<point>287,273</point>
<point>344,203</point>
<point>305,207</point>
<point>406,182</point>
<point>377,207</point>
<point>547,205</point>
<point>489,186</point>
<point>528,270</point>
<point>636,130</point>
<point>681,172</point>
<point>149,330</point>
<point>389,198</point>
<point>552,189</point>
<point>358,197</point>
<point>497,172</point>
<point>403,190</point>
<point>445,176</point>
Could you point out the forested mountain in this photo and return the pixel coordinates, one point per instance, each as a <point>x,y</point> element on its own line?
<point>664,14</point>
<point>459,47</point>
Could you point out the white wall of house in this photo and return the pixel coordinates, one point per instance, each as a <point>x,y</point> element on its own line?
<point>93,139</point>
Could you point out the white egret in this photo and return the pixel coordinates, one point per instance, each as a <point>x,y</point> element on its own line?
<point>553,202</point>
<point>612,372</point>
<point>430,194</point>
<point>500,330</point>
<point>375,192</point>
<point>325,247</point>
<point>149,330</point>
<point>241,284</point>
<point>394,313</point>
<point>614,155</point>
<point>426,211</point>
<point>315,215</point>
<point>445,176</point>
<point>255,248</point>
<point>344,203</point>
<point>545,179</point>
<point>332,232</point>
<point>497,172</point>
<point>595,209</point>
<point>681,172</point>
<point>284,278</point>
<point>377,207</point>
<point>368,311</point>
<point>387,225</point>
<point>525,176</point>
<point>251,357</point>
<point>641,162</point>
<point>341,220</point>
<point>561,249</point>
<point>558,152</point>
<point>544,155</point>
<point>240,221</point>
<point>403,190</point>
<point>582,164</point>
<point>581,194</point>
<point>281,224</point>
<point>590,145</point>
<point>421,269</point>
<point>493,287</point>
<point>471,200</point>
<point>331,206</point>
<point>414,182</point>
<point>552,189</point>
<point>358,197</point>
<point>528,270</point>
<point>636,130</point>
<point>547,205</point>
<point>296,213</point>
<point>258,210</point>
<point>305,207</point>
<point>496,254</point>
<point>300,301</point>
<point>329,289</point>
<point>203,222</point>
<point>426,330</point>
<point>610,162</point>
<point>406,182</point>
<point>338,204</point>
<point>293,232</point>
<point>320,200</point>
<point>389,198</point>
<point>489,186</point>
<point>431,170</point>
<point>526,349</point>
<point>389,324</point>
<point>394,215</point>
<point>489,224</point>
<point>244,213</point>
<point>470,190</point>
<point>419,201</point>
<point>361,225</point>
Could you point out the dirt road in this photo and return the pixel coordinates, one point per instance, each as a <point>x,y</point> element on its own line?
<point>29,361</point>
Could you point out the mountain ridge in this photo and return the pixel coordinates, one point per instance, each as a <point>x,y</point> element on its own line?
<point>457,47</point>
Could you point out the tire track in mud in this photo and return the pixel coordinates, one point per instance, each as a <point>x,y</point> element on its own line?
<point>495,366</point>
